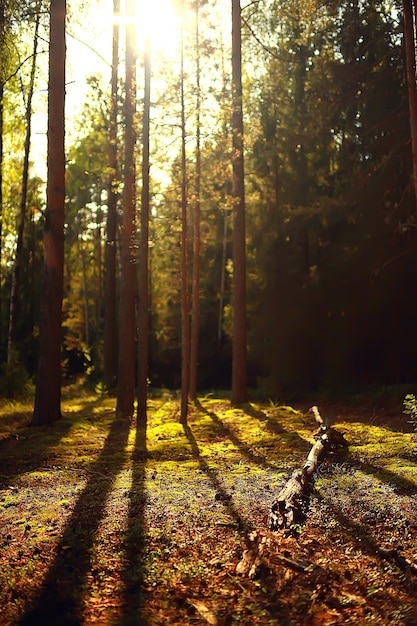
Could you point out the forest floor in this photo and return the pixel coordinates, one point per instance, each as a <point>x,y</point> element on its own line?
<point>99,526</point>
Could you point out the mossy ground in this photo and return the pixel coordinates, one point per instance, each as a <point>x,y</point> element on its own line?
<point>96,530</point>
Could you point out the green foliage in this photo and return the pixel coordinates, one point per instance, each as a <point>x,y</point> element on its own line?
<point>15,383</point>
<point>328,187</point>
<point>410,408</point>
<point>87,181</point>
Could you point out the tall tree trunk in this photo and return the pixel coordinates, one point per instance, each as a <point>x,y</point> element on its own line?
<point>14,304</point>
<point>126,382</point>
<point>143,308</point>
<point>185,324</point>
<point>239,367</point>
<point>47,407</point>
<point>2,78</point>
<point>111,227</point>
<point>195,312</point>
<point>410,56</point>
<point>226,123</point>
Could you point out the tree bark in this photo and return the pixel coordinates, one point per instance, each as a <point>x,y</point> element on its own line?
<point>143,307</point>
<point>111,226</point>
<point>195,311</point>
<point>47,407</point>
<point>222,278</point>
<point>410,59</point>
<point>126,381</point>
<point>2,78</point>
<point>185,322</point>
<point>85,294</point>
<point>239,366</point>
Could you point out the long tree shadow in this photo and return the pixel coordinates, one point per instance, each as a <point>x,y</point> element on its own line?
<point>223,496</point>
<point>32,448</point>
<point>364,541</point>
<point>60,600</point>
<point>20,454</point>
<point>133,573</point>
<point>272,425</point>
<point>402,485</point>
<point>245,450</point>
<point>391,418</point>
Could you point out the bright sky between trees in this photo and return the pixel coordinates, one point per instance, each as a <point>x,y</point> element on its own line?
<point>89,50</point>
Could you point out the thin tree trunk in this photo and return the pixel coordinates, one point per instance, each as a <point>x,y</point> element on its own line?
<point>225,213</point>
<point>99,301</point>
<point>195,313</point>
<point>126,369</point>
<point>47,407</point>
<point>239,367</point>
<point>14,305</point>
<point>126,386</point>
<point>410,56</point>
<point>111,227</point>
<point>185,327</point>
<point>85,295</point>
<point>222,279</point>
<point>143,308</point>
<point>32,274</point>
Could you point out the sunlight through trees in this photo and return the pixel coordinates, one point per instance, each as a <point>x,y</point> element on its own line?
<point>278,194</point>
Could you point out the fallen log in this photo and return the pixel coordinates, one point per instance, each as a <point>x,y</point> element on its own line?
<point>261,555</point>
<point>286,508</point>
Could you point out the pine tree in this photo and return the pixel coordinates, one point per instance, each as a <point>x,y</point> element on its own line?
<point>47,407</point>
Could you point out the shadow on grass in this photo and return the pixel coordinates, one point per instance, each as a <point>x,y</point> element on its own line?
<point>272,425</point>
<point>222,494</point>
<point>133,574</point>
<point>370,546</point>
<point>389,414</point>
<point>258,459</point>
<point>60,600</point>
<point>32,448</point>
<point>402,485</point>
<point>25,453</point>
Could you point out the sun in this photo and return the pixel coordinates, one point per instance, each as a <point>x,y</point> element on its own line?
<point>89,41</point>
<point>159,21</point>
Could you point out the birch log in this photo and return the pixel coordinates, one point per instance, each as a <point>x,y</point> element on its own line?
<point>286,508</point>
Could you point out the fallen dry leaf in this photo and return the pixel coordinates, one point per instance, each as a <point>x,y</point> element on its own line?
<point>205,612</point>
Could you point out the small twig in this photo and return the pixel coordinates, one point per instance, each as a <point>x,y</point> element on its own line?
<point>297,566</point>
<point>318,417</point>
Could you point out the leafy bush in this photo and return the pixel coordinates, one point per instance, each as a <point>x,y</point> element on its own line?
<point>15,382</point>
<point>410,408</point>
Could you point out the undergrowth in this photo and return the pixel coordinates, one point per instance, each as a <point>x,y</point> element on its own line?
<point>410,408</point>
